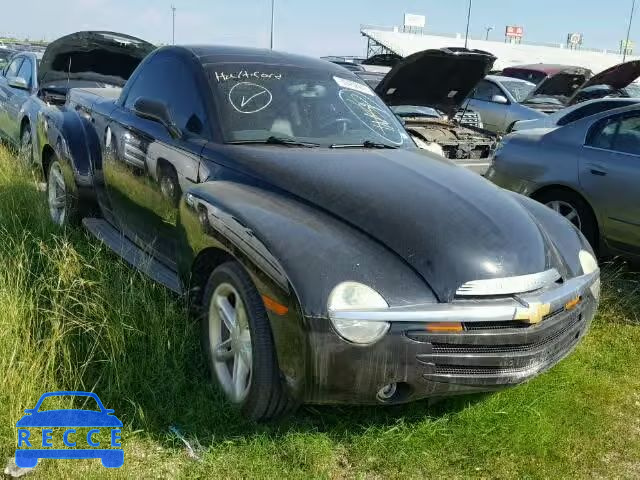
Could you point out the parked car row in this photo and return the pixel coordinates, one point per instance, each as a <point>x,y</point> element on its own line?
<point>329,259</point>
<point>513,97</point>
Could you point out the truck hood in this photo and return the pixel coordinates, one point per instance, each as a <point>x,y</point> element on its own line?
<point>447,223</point>
<point>617,77</point>
<point>102,57</point>
<point>440,79</point>
<point>561,85</point>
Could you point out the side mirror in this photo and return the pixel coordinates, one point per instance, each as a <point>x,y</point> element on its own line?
<point>18,82</point>
<point>499,99</point>
<point>156,111</point>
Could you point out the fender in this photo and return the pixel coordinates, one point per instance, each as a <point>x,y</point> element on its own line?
<point>72,136</point>
<point>565,240</point>
<point>295,254</point>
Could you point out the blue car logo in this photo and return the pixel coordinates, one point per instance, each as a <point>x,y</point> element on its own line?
<point>32,447</point>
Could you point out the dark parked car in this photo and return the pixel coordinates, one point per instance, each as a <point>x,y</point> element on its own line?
<point>576,85</point>
<point>555,91</point>
<point>331,262</point>
<point>612,82</point>
<point>589,173</point>
<point>29,85</point>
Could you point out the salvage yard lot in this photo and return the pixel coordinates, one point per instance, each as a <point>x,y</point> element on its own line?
<point>73,317</point>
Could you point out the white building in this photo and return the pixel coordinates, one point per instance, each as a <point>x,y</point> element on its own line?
<point>508,54</point>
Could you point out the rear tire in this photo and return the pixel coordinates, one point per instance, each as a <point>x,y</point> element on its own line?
<point>575,209</point>
<point>264,397</point>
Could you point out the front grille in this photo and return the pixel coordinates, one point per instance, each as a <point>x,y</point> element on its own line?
<point>480,371</point>
<point>452,348</point>
<point>469,117</point>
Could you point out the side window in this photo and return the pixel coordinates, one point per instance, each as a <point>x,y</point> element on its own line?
<point>486,91</point>
<point>627,139</point>
<point>13,68</point>
<point>166,78</point>
<point>603,133</point>
<point>26,71</point>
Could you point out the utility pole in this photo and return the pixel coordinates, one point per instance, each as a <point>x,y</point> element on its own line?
<point>466,36</point>
<point>488,29</point>
<point>173,36</point>
<point>625,47</point>
<point>273,5</point>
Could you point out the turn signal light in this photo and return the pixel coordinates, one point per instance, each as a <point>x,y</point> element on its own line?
<point>274,306</point>
<point>451,327</point>
<point>571,304</point>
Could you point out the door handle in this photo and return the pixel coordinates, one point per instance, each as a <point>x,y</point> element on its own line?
<point>598,173</point>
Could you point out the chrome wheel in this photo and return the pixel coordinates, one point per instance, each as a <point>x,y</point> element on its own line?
<point>26,148</point>
<point>57,195</point>
<point>230,342</point>
<point>567,210</point>
<point>167,187</point>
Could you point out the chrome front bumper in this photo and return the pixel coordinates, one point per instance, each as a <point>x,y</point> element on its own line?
<point>503,341</point>
<point>529,307</point>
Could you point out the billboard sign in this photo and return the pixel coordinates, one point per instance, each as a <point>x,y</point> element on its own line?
<point>574,39</point>
<point>513,31</point>
<point>414,21</point>
<point>627,47</point>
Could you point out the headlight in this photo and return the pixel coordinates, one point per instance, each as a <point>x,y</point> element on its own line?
<point>589,265</point>
<point>356,296</point>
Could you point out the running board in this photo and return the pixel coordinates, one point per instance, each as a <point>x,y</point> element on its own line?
<point>133,254</point>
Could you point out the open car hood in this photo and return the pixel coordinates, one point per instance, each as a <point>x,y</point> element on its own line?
<point>441,79</point>
<point>617,77</point>
<point>561,85</point>
<point>101,57</point>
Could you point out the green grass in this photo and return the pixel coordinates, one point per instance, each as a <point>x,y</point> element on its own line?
<point>72,316</point>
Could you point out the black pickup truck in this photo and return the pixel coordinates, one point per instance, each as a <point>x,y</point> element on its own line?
<point>330,260</point>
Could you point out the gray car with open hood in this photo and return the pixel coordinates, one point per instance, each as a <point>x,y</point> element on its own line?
<point>84,59</point>
<point>427,90</point>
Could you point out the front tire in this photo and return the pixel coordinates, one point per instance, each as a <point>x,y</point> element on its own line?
<point>237,340</point>
<point>62,203</point>
<point>26,145</point>
<point>572,207</point>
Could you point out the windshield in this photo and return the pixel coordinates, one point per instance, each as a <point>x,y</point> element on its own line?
<point>533,76</point>
<point>633,90</point>
<point>519,90</point>
<point>257,102</point>
<point>543,99</point>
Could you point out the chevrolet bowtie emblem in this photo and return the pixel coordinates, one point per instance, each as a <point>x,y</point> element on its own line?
<point>534,313</point>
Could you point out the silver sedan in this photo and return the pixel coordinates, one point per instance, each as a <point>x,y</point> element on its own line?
<point>497,100</point>
<point>587,171</point>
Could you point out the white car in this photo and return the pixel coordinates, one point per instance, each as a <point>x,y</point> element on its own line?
<point>575,112</point>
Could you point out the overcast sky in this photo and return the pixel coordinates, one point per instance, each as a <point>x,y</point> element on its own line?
<point>315,27</point>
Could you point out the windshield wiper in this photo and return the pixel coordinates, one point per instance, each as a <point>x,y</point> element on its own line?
<point>365,144</point>
<point>273,140</point>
